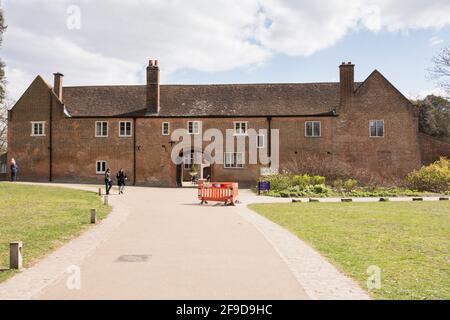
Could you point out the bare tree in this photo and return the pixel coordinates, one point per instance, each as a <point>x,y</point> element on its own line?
<point>441,69</point>
<point>4,124</point>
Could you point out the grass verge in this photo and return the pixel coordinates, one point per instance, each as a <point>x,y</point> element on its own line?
<point>408,241</point>
<point>43,218</point>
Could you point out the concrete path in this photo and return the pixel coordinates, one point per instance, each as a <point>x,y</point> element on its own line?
<point>160,244</point>
<point>319,278</point>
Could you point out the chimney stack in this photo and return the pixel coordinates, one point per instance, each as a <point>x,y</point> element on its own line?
<point>153,91</point>
<point>58,85</point>
<point>347,80</point>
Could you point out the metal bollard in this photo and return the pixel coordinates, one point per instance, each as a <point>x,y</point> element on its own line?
<point>105,202</point>
<point>15,255</point>
<point>93,216</point>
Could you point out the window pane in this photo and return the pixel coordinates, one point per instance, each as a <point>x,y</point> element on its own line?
<point>239,160</point>
<point>380,128</point>
<point>260,143</point>
<point>316,129</point>
<point>105,128</point>
<point>373,129</point>
<point>309,130</point>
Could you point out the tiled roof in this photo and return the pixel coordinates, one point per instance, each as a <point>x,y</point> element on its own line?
<point>205,100</point>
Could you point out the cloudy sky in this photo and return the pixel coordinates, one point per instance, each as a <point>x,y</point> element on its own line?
<point>223,41</point>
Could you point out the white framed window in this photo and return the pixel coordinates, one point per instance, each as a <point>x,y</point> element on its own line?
<point>234,160</point>
<point>313,129</point>
<point>193,127</point>
<point>3,168</point>
<point>165,128</point>
<point>240,128</point>
<point>125,129</point>
<point>376,128</point>
<point>100,167</point>
<point>38,128</point>
<point>188,160</point>
<point>260,143</point>
<point>101,128</point>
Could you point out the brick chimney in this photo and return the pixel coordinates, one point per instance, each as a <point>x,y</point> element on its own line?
<point>153,92</point>
<point>347,80</point>
<point>58,85</point>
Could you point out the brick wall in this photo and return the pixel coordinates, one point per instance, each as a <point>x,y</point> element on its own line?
<point>433,148</point>
<point>344,147</point>
<point>31,153</point>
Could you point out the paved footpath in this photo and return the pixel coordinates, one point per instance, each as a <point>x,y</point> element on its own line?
<point>160,244</point>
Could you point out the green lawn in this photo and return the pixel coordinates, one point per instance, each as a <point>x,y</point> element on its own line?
<point>409,241</point>
<point>42,218</point>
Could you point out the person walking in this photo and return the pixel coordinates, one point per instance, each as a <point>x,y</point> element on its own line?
<point>14,169</point>
<point>108,180</point>
<point>121,180</point>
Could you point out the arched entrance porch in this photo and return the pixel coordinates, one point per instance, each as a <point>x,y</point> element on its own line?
<point>191,166</point>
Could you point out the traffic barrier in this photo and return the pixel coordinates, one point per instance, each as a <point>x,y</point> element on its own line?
<point>226,192</point>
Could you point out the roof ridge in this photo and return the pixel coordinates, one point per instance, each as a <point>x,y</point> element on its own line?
<point>207,85</point>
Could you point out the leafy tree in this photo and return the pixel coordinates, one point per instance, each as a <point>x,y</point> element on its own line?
<point>434,116</point>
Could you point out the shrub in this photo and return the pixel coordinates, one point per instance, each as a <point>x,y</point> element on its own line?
<point>285,194</point>
<point>434,178</point>
<point>350,184</point>
<point>321,189</point>
<point>302,181</point>
<point>338,184</point>
<point>317,180</point>
<point>278,182</point>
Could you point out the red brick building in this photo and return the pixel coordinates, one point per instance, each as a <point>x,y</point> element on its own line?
<point>365,129</point>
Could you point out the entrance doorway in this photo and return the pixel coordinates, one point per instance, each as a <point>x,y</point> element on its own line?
<point>190,170</point>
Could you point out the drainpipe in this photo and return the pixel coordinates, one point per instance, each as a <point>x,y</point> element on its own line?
<point>134,151</point>
<point>269,138</point>
<point>50,133</point>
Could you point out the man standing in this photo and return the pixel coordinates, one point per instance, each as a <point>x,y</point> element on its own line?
<point>14,169</point>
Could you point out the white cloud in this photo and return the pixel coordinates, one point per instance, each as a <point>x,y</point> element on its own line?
<point>117,37</point>
<point>434,41</point>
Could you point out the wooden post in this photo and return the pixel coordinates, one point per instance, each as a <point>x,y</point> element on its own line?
<point>105,200</point>
<point>15,255</point>
<point>100,191</point>
<point>93,216</point>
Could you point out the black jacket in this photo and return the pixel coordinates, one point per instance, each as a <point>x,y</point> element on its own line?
<point>121,178</point>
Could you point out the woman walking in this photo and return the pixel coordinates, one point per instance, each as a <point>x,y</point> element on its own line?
<point>108,180</point>
<point>14,169</point>
<point>121,179</point>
